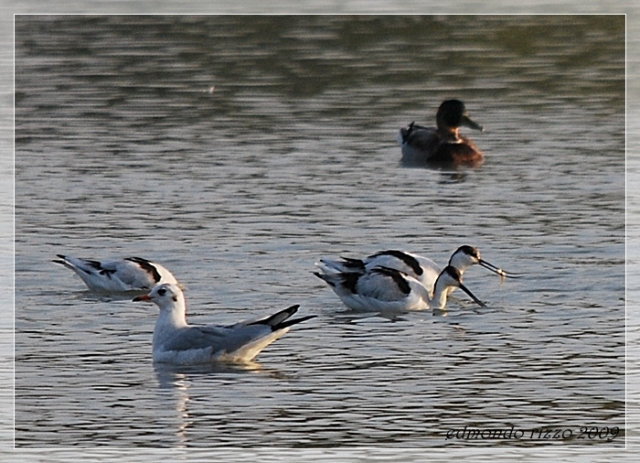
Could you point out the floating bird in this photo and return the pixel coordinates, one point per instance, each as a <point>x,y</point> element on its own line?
<point>178,343</point>
<point>129,274</point>
<point>423,269</point>
<point>388,289</point>
<point>443,146</point>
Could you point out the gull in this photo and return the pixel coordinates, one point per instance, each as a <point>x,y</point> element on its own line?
<point>129,274</point>
<point>178,343</point>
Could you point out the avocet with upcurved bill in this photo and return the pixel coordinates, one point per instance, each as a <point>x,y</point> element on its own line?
<point>387,289</point>
<point>423,269</point>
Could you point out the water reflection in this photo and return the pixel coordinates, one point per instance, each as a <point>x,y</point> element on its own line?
<point>93,296</point>
<point>446,177</point>
<point>167,373</point>
<point>178,379</point>
<point>179,385</point>
<point>355,316</point>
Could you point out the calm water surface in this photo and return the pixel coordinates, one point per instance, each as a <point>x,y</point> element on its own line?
<point>237,151</point>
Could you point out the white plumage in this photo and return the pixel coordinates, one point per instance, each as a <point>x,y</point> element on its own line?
<point>129,274</point>
<point>178,343</point>
<point>423,269</point>
<point>388,289</point>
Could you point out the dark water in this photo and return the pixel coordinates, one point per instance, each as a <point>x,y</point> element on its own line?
<point>237,151</point>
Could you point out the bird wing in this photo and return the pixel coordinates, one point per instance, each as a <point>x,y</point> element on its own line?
<point>219,339</point>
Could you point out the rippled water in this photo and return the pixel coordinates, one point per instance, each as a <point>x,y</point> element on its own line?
<point>238,150</point>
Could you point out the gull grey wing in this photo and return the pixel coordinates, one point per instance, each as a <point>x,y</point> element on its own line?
<point>217,338</point>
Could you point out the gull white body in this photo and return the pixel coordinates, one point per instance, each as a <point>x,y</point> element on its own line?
<point>128,274</point>
<point>387,289</point>
<point>178,343</point>
<point>423,269</point>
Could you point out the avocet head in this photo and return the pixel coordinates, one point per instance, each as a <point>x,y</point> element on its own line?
<point>451,277</point>
<point>466,256</point>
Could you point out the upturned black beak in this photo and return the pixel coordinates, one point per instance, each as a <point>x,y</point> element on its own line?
<point>497,270</point>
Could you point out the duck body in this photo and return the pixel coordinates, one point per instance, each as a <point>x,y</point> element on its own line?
<point>442,146</point>
<point>113,276</point>
<point>176,342</point>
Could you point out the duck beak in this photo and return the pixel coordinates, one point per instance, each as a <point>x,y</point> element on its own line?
<point>141,298</point>
<point>475,299</point>
<point>467,122</point>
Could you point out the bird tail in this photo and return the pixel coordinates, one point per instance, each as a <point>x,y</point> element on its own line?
<point>75,264</point>
<point>280,320</point>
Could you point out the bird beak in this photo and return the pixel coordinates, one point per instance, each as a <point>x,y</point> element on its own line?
<point>467,122</point>
<point>142,298</point>
<point>475,299</point>
<point>497,270</point>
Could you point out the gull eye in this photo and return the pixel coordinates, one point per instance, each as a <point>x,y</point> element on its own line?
<point>162,292</point>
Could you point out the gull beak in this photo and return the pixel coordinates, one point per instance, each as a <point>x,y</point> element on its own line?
<point>141,298</point>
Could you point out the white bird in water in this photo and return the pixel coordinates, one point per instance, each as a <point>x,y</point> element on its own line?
<point>423,269</point>
<point>388,289</point>
<point>129,274</point>
<point>178,343</point>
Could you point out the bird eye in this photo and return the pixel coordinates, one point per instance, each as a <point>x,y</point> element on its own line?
<point>162,292</point>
